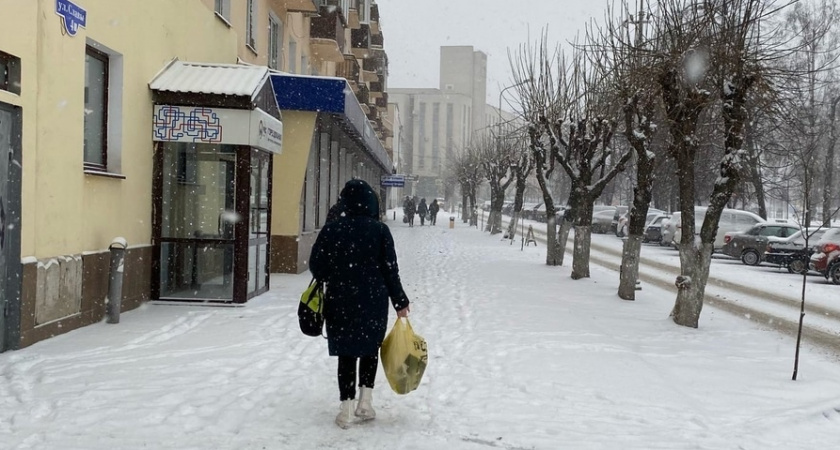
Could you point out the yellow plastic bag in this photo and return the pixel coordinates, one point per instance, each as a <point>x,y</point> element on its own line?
<point>404,357</point>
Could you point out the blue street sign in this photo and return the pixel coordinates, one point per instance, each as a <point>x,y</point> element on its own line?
<point>72,15</point>
<point>392,181</point>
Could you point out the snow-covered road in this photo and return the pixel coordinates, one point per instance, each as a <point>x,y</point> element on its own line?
<point>521,357</point>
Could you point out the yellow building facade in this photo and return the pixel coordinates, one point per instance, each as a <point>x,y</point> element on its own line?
<point>78,116</point>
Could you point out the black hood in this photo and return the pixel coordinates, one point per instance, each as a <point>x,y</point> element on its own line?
<point>359,199</point>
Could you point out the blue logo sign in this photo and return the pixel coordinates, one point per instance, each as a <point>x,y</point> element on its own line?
<point>72,15</point>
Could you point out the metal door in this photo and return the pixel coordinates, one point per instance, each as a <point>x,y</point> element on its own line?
<point>10,268</point>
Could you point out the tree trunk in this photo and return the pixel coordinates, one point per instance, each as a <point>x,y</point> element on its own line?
<point>517,204</point>
<point>828,183</point>
<point>465,209</point>
<point>551,254</point>
<point>580,259</point>
<point>629,267</point>
<point>565,228</point>
<point>691,284</point>
<point>514,221</point>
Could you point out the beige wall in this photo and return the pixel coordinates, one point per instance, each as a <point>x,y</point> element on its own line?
<point>290,170</point>
<point>295,26</point>
<point>66,211</point>
<point>23,45</point>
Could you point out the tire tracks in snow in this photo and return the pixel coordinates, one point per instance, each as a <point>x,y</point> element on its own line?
<point>719,295</point>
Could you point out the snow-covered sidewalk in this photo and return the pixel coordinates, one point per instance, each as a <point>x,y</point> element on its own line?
<point>521,357</point>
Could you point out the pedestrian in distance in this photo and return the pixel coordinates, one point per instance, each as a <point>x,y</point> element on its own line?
<point>422,211</point>
<point>354,256</point>
<point>409,209</point>
<point>433,211</point>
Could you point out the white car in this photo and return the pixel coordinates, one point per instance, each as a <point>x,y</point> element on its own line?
<point>731,220</point>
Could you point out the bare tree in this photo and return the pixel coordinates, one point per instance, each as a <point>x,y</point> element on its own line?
<point>465,168</point>
<point>571,123</point>
<point>534,69</point>
<point>521,169</point>
<point>625,63</point>
<point>705,52</point>
<point>495,157</point>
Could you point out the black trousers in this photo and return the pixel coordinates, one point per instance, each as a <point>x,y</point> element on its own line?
<point>347,374</point>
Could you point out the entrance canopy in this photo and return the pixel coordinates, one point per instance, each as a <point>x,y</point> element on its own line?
<point>330,95</point>
<point>216,104</point>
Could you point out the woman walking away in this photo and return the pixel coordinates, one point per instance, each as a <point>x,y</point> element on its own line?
<point>422,211</point>
<point>409,209</point>
<point>355,257</point>
<point>433,210</point>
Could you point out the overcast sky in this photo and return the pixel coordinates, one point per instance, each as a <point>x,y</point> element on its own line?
<point>415,30</point>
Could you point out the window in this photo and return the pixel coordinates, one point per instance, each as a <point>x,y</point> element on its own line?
<point>96,109</point>
<point>223,10</point>
<point>275,42</point>
<point>251,26</point>
<point>421,162</point>
<point>9,73</point>
<point>436,136</point>
<point>292,56</point>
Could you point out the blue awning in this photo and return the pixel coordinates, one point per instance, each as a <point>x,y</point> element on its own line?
<point>331,95</point>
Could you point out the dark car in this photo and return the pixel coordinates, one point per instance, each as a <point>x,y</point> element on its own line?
<point>653,230</point>
<point>791,252</point>
<point>750,245</point>
<point>826,259</point>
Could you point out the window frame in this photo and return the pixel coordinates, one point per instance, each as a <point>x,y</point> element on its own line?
<point>10,81</point>
<point>106,59</point>
<point>275,42</point>
<point>222,10</point>
<point>251,19</point>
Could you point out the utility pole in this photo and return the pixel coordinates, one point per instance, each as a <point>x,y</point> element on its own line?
<point>639,22</point>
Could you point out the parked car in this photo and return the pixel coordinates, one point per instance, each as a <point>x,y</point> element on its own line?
<point>791,252</point>
<point>619,211</point>
<point>601,221</point>
<point>730,220</point>
<point>669,229</point>
<point>624,221</point>
<point>749,245</point>
<point>826,259</point>
<point>653,230</point>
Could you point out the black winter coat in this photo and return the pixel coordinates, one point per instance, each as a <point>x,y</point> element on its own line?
<point>355,256</point>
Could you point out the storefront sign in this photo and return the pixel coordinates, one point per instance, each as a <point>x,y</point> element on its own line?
<point>72,15</point>
<point>266,131</point>
<point>204,125</point>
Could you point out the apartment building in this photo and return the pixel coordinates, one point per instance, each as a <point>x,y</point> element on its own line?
<point>439,122</point>
<point>193,148</point>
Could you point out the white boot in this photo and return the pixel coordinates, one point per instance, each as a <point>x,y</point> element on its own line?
<point>345,418</point>
<point>364,410</point>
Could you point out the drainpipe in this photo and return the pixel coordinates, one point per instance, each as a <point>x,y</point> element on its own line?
<point>115,280</point>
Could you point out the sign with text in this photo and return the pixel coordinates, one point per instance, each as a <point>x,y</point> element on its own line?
<point>207,125</point>
<point>72,16</point>
<point>392,181</point>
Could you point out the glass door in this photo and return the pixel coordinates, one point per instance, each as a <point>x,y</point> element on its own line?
<point>197,222</point>
<point>259,220</point>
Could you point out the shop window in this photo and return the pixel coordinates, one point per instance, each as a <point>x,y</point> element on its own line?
<point>275,42</point>
<point>251,26</point>
<point>222,9</point>
<point>9,73</point>
<point>102,110</point>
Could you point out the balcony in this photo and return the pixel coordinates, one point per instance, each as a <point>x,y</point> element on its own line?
<point>349,69</point>
<point>329,25</point>
<point>382,101</point>
<point>376,86</point>
<point>360,41</point>
<point>302,6</point>
<point>377,40</point>
<point>363,95</point>
<point>353,21</point>
<point>325,50</point>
